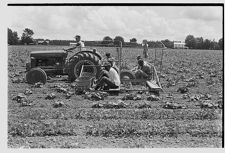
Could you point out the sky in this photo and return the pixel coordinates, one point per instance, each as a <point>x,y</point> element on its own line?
<point>96,22</point>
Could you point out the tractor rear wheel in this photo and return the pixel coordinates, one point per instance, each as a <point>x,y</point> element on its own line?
<point>83,58</point>
<point>36,75</point>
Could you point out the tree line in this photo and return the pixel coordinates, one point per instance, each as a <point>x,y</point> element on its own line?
<point>200,43</point>
<point>26,37</point>
<point>190,41</point>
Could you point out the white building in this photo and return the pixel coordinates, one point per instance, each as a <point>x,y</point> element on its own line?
<point>42,42</point>
<point>179,45</point>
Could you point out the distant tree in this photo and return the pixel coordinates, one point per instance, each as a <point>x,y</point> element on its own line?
<point>206,44</point>
<point>151,44</point>
<point>27,36</point>
<point>190,41</point>
<point>213,45</point>
<point>220,43</point>
<point>199,42</point>
<point>133,40</point>
<point>117,39</point>
<point>107,40</point>
<point>12,37</point>
<point>167,43</point>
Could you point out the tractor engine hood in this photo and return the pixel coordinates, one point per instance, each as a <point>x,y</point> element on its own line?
<point>49,53</point>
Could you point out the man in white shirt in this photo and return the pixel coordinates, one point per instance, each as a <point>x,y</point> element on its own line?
<point>108,80</point>
<point>79,44</point>
<point>113,64</point>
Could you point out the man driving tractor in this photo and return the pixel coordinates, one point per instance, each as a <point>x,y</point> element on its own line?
<point>79,44</point>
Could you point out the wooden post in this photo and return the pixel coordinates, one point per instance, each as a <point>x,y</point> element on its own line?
<point>81,70</point>
<point>120,57</point>
<point>155,57</point>
<point>161,61</point>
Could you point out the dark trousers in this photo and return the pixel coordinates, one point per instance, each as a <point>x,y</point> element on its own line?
<point>106,83</point>
<point>141,75</point>
<point>103,73</point>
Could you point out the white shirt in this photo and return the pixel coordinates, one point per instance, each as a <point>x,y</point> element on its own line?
<point>145,45</point>
<point>114,76</point>
<point>80,43</point>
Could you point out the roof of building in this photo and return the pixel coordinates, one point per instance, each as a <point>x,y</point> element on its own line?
<point>179,43</point>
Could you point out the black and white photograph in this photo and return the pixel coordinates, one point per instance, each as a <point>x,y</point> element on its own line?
<point>115,75</point>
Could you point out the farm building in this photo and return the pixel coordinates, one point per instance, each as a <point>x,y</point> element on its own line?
<point>42,42</point>
<point>179,45</point>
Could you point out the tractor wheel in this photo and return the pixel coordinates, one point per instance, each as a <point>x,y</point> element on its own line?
<point>83,58</point>
<point>36,75</point>
<point>127,74</point>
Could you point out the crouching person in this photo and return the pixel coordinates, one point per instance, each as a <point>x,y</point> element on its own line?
<point>113,64</point>
<point>144,70</point>
<point>109,79</point>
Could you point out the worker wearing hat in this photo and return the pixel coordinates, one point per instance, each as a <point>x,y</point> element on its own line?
<point>113,64</point>
<point>112,61</point>
<point>140,58</point>
<point>110,80</point>
<point>79,44</point>
<point>145,48</point>
<point>144,70</point>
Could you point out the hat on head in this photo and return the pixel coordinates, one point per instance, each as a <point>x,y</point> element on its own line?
<point>139,57</point>
<point>108,55</point>
<point>140,62</point>
<point>111,59</point>
<point>77,36</point>
<point>106,64</point>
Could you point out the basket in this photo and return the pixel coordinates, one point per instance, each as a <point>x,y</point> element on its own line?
<point>84,81</point>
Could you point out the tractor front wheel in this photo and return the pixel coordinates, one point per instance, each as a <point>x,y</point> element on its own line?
<point>36,75</point>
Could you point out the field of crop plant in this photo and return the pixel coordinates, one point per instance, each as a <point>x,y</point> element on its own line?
<point>54,116</point>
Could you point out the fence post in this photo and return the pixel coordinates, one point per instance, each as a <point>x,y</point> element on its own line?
<point>155,57</point>
<point>161,60</point>
<point>120,56</point>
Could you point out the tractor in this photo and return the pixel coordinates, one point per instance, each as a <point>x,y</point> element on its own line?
<point>57,62</point>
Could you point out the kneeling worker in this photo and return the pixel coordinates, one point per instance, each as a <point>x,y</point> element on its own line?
<point>144,70</point>
<point>109,80</point>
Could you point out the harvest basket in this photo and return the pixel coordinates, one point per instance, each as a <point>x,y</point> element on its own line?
<point>84,81</point>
